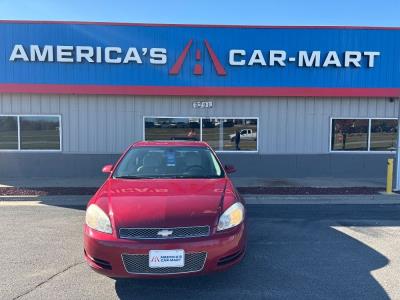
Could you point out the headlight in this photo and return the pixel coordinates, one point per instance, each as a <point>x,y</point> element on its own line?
<point>97,219</point>
<point>232,217</point>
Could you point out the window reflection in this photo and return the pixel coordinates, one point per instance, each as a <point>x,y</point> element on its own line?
<point>350,134</point>
<point>212,130</point>
<point>383,135</point>
<point>8,133</point>
<point>221,134</point>
<point>240,134</point>
<point>40,133</point>
<point>231,134</point>
<point>172,129</point>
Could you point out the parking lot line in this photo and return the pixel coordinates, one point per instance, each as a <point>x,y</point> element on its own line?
<point>21,203</point>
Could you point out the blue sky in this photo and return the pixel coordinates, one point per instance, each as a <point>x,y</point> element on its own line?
<point>257,12</point>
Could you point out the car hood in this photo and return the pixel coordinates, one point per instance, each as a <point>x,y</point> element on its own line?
<point>162,203</point>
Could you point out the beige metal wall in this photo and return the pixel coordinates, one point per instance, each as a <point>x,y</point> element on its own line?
<point>107,124</point>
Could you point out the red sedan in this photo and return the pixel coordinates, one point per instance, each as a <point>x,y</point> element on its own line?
<point>166,209</point>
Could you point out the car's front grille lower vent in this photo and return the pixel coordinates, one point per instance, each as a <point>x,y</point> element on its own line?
<point>230,258</point>
<point>164,233</point>
<point>139,264</point>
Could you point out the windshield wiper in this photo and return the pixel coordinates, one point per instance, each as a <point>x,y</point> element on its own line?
<point>134,177</point>
<point>165,177</point>
<point>194,176</point>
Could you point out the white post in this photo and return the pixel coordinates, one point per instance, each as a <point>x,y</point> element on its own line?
<point>397,185</point>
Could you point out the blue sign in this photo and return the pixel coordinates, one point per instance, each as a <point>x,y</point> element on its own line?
<point>198,60</point>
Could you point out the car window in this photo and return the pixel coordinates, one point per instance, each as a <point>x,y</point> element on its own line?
<point>169,162</point>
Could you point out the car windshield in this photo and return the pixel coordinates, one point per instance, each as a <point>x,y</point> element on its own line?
<point>169,162</point>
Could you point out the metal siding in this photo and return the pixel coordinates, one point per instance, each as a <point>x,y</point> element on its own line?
<point>282,125</point>
<point>308,136</point>
<point>74,123</point>
<point>325,126</point>
<point>110,126</point>
<point>263,122</point>
<point>371,106</point>
<point>381,110</point>
<point>299,108</point>
<point>271,129</point>
<point>16,105</point>
<point>35,104</point>
<point>45,105</point>
<point>82,125</point>
<point>290,125</point>
<point>318,125</point>
<point>102,125</point>
<point>91,125</point>
<point>389,109</point>
<point>396,112</point>
<point>362,109</point>
<point>107,124</point>
<point>65,124</point>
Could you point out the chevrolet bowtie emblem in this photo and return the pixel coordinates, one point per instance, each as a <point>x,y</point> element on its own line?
<point>165,232</point>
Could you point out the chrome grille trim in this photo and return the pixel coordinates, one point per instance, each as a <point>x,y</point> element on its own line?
<point>151,233</point>
<point>142,264</point>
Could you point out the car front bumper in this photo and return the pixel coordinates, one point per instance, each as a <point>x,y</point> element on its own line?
<point>104,252</point>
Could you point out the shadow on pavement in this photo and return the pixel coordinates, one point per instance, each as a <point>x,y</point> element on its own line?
<point>293,252</point>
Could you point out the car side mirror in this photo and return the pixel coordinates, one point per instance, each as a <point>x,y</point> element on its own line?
<point>230,169</point>
<point>107,169</point>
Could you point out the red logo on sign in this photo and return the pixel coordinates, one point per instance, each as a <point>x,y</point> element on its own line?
<point>198,68</point>
<point>155,259</point>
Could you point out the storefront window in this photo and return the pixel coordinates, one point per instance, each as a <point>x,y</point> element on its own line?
<point>8,133</point>
<point>383,135</point>
<point>350,134</point>
<point>172,129</point>
<point>30,132</point>
<point>220,134</point>
<point>40,133</point>
<point>364,135</point>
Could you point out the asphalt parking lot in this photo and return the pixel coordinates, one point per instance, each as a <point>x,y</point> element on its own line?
<point>294,251</point>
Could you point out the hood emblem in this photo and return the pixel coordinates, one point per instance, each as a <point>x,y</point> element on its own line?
<point>165,233</point>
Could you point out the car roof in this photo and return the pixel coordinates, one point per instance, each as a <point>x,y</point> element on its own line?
<point>172,143</point>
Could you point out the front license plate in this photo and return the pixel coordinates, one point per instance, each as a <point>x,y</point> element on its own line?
<point>166,258</point>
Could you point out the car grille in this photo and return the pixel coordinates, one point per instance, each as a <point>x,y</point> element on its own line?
<point>153,233</point>
<point>139,264</point>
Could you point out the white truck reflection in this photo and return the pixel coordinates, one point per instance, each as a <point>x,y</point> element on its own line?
<point>245,134</point>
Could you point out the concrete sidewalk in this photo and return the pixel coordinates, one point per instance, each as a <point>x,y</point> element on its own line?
<point>327,182</point>
<point>53,182</point>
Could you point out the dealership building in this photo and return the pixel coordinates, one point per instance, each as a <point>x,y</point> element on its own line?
<point>305,101</point>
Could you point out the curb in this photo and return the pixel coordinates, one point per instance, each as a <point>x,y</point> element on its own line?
<point>81,201</point>
<point>322,199</point>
